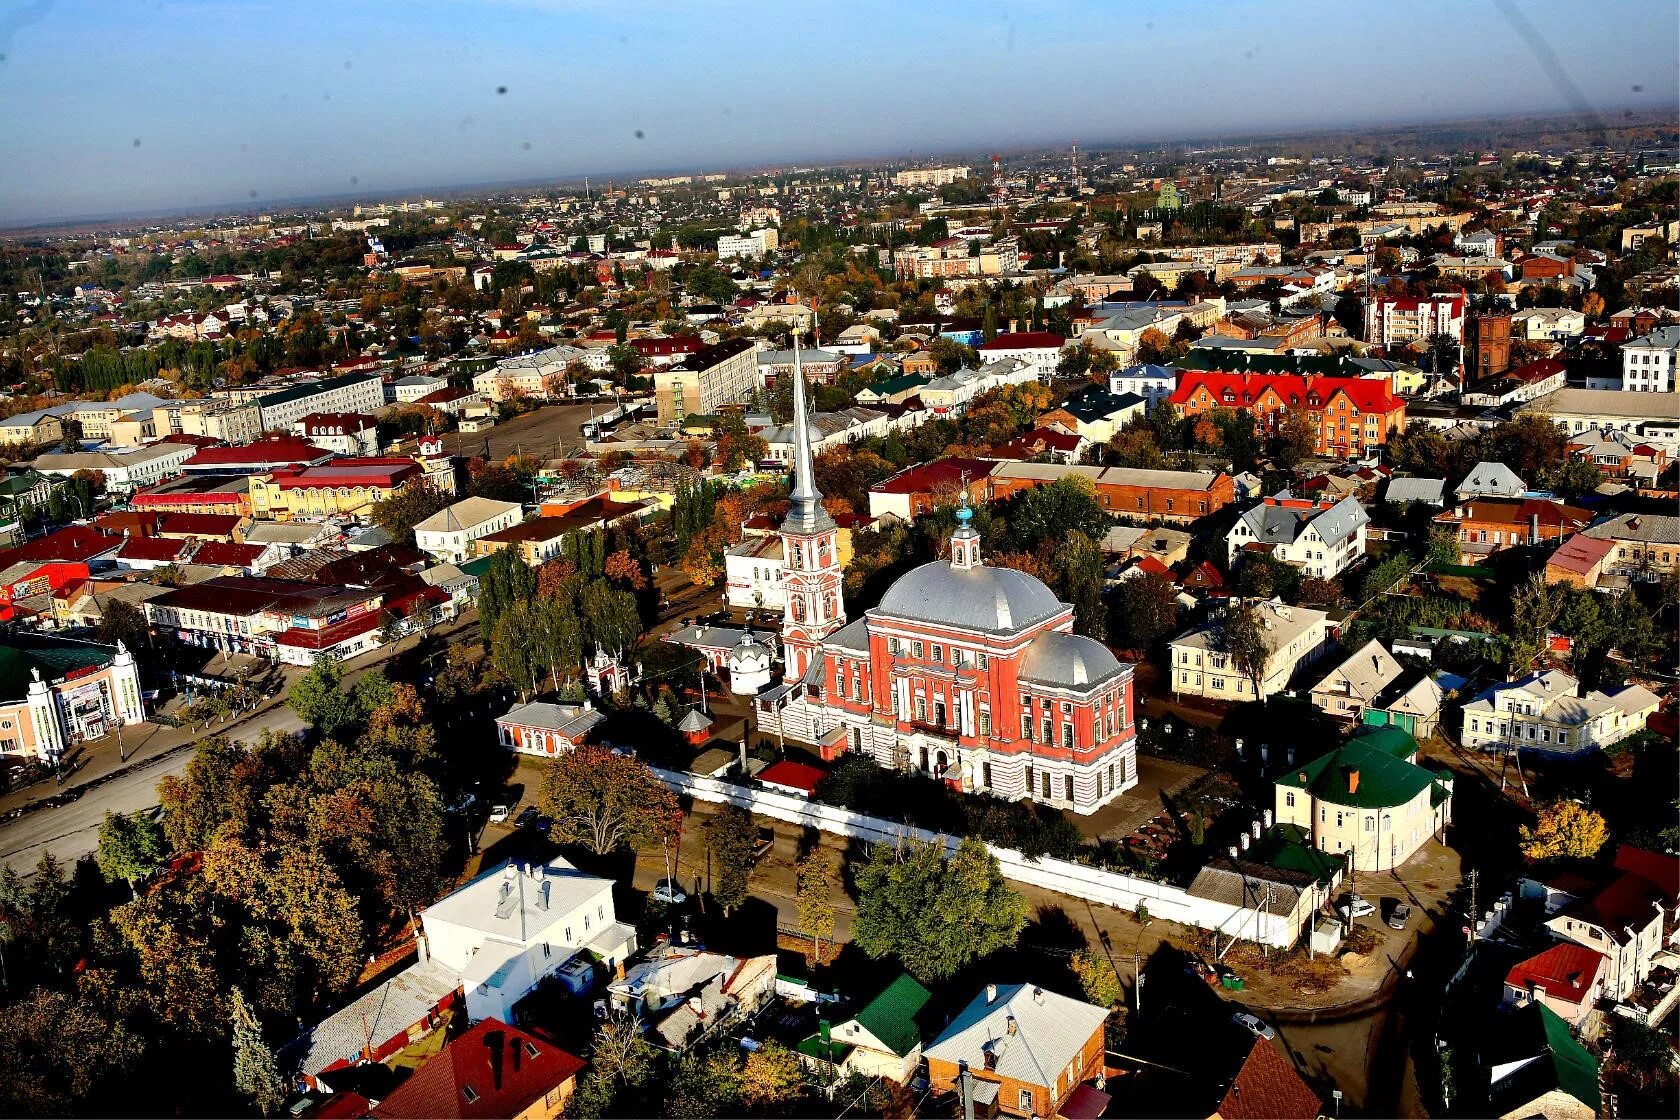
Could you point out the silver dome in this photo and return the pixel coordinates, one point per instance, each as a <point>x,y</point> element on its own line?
<point>991,600</point>
<point>1068,661</point>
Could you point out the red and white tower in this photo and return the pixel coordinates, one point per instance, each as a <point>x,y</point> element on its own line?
<point>811,557</point>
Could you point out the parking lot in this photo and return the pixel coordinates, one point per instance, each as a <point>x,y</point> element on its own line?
<point>548,432</point>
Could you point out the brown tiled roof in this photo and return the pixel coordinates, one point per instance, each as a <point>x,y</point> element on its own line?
<point>1268,1088</point>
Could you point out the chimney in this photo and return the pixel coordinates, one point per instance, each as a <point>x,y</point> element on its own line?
<point>1353,781</point>
<point>1233,851</point>
<point>991,993</point>
<point>1011,1026</point>
<point>1534,528</point>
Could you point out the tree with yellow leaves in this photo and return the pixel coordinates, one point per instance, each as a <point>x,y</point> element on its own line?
<point>1564,830</point>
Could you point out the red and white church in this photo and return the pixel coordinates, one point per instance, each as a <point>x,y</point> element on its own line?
<point>965,672</point>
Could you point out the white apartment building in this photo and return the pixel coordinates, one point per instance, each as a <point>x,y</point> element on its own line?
<point>447,535</point>
<point>353,392</point>
<point>124,472</point>
<point>929,176</point>
<point>1547,711</point>
<point>407,390</point>
<point>1294,637</point>
<point>1322,539</point>
<point>747,245</point>
<point>229,421</point>
<point>1391,320</point>
<point>1153,383</point>
<point>701,383</point>
<point>1548,324</point>
<point>755,574</point>
<point>539,375</point>
<point>1648,363</point>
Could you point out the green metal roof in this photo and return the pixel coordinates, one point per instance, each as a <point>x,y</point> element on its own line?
<point>1391,739</point>
<point>898,384</point>
<point>1289,848</point>
<point>815,1047</point>
<point>53,658</point>
<point>1386,780</point>
<point>476,568</point>
<point>1576,1068</point>
<point>891,1016</point>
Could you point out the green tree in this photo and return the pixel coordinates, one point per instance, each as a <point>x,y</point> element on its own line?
<point>731,836</point>
<point>704,1083</point>
<point>131,847</point>
<point>1147,609</point>
<point>319,699</point>
<point>401,512</point>
<point>1051,514</point>
<point>606,800</point>
<point>213,791</point>
<point>514,648</point>
<point>935,910</point>
<point>1534,607</point>
<point>772,1075</point>
<point>256,1071</point>
<point>1239,635</point>
<point>1297,438</point>
<point>1080,566</point>
<point>1097,977</point>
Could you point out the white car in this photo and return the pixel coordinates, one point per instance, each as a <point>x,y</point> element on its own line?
<point>499,814</point>
<point>1359,907</point>
<point>669,893</point>
<point>1254,1025</point>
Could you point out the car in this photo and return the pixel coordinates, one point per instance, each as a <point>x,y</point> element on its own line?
<point>527,818</point>
<point>1358,907</point>
<point>499,813</point>
<point>1400,916</point>
<point>668,892</point>
<point>1254,1025</point>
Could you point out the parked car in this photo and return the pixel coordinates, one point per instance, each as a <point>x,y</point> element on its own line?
<point>1400,916</point>
<point>1358,908</point>
<point>667,891</point>
<point>499,813</point>
<point>1254,1025</point>
<point>527,818</point>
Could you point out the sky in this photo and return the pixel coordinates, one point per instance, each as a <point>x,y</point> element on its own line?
<point>112,107</point>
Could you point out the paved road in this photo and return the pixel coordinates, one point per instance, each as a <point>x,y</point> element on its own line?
<point>72,831</point>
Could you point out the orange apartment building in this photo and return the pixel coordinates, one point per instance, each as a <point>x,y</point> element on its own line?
<point>1353,415</point>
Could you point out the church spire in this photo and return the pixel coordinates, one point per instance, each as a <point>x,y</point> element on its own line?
<point>806,513</point>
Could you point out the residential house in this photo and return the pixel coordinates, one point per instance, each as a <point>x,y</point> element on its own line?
<point>1040,350</point>
<point>1405,491</point>
<point>1267,1087</point>
<point>1548,711</point>
<point>1373,688</point>
<point>540,375</point>
<point>1294,638</point>
<point>1484,526</point>
<point>547,730</point>
<point>1569,979</point>
<point>491,1072</point>
<point>39,429</point>
<point>1538,1068</point>
<point>1491,480</point>
<point>882,1040</point>
<point>1154,383</point>
<point>687,994</point>
<point>1095,413</point>
<point>1580,561</point>
<point>1367,801</point>
<point>1648,362</point>
<point>537,540</point>
<point>1548,324</point>
<point>449,534</point>
<point>1323,539</point>
<point>1644,546</point>
<point>1619,455</point>
<point>1628,916</point>
<point>343,433</point>
<point>1028,1050</point>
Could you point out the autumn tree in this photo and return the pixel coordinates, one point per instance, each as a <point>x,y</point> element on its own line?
<point>814,878</point>
<point>771,1075</point>
<point>935,910</point>
<point>1564,830</point>
<point>1146,609</point>
<point>1297,437</point>
<point>1097,977</point>
<point>401,512</point>
<point>131,847</point>
<point>606,800</point>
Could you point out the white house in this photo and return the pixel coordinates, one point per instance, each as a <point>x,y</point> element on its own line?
<point>754,575</point>
<point>124,472</point>
<point>1648,362</point>
<point>1293,636</point>
<point>1320,538</point>
<point>1151,382</point>
<point>1548,711</point>
<point>1039,349</point>
<point>448,534</point>
<point>754,244</point>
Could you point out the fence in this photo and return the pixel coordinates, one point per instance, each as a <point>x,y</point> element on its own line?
<point>1109,888</point>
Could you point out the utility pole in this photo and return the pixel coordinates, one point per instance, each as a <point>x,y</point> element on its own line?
<point>1473,909</point>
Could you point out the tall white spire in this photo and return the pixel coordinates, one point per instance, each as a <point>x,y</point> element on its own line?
<point>806,513</point>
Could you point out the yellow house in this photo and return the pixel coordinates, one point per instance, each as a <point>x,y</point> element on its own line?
<point>1367,801</point>
<point>342,488</point>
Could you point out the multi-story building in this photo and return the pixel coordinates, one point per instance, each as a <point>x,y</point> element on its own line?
<point>1350,416</point>
<point>1548,711</point>
<point>964,672</point>
<point>1648,363</point>
<point>1484,526</point>
<point>1629,918</point>
<point>700,384</point>
<point>124,472</point>
<point>1151,382</point>
<point>1394,320</point>
<point>1294,637</point>
<point>213,417</point>
<point>1134,492</point>
<point>448,535</point>
<point>342,433</point>
<point>287,620</point>
<point>341,488</point>
<point>748,245</point>
<point>1040,350</point>
<point>1368,801</point>
<point>540,375</point>
<point>1653,417</point>
<point>665,351</point>
<point>929,176</point>
<point>350,392</point>
<point>1644,546</point>
<point>821,366</point>
<point>55,692</point>
<point>1321,538</point>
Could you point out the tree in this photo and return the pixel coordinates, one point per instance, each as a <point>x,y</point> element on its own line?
<point>1101,983</point>
<point>256,1072</point>
<point>123,622</point>
<point>703,1083</point>
<point>213,790</point>
<point>1239,635</point>
<point>814,877</point>
<point>60,1057</point>
<point>1574,478</point>
<point>1051,514</point>
<point>131,847</point>
<point>1297,437</point>
<point>606,800</point>
<point>401,512</point>
<point>514,648</point>
<point>1147,609</point>
<point>621,1062</point>
<point>771,1075</point>
<point>1534,608</point>
<point>1442,549</point>
<point>731,837</point>
<point>320,701</point>
<point>1080,568</point>
<point>1564,830</point>
<point>935,910</point>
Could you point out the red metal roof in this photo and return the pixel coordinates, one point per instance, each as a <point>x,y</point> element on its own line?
<point>214,525</point>
<point>73,542</point>
<point>266,452</point>
<point>329,636</point>
<point>348,472</point>
<point>1268,1088</point>
<point>1026,340</point>
<point>227,554</point>
<point>793,775</point>
<point>1367,395</point>
<point>160,549</point>
<point>1565,971</point>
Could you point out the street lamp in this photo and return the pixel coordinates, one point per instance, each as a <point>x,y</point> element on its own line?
<point>1137,972</point>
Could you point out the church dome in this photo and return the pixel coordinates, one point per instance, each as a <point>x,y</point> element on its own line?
<point>1068,661</point>
<point>992,600</point>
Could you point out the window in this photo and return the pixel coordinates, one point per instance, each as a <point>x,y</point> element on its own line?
<point>1370,824</point>
<point>1046,787</point>
<point>546,951</point>
<point>916,649</point>
<point>1289,800</point>
<point>939,654</point>
<point>1025,1103</point>
<point>1029,773</point>
<point>985,724</point>
<point>980,660</point>
<point>985,775</point>
<point>1067,786</point>
<point>469,1093</point>
<point>921,710</point>
<point>1026,725</point>
<point>1067,736</point>
<point>1049,731</point>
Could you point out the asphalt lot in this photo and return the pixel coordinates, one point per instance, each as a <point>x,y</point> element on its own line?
<point>544,433</point>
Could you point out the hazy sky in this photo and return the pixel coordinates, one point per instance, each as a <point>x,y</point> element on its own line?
<point>111,106</point>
